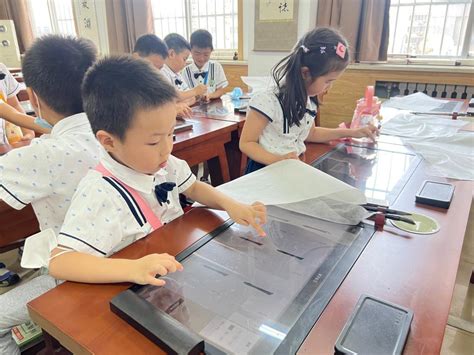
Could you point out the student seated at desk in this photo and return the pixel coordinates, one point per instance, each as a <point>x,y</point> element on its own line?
<point>151,48</point>
<point>136,186</point>
<point>9,88</point>
<point>46,172</point>
<point>178,53</point>
<point>202,70</point>
<point>281,119</point>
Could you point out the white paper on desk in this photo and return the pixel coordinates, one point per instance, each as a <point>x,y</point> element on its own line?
<point>415,102</point>
<point>405,124</point>
<point>290,181</point>
<point>258,83</point>
<point>449,157</point>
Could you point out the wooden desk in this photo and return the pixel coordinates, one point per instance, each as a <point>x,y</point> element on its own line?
<point>237,161</point>
<point>78,315</point>
<point>411,270</point>
<point>206,142</point>
<point>414,271</point>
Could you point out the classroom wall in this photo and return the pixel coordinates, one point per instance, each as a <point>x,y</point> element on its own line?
<point>260,63</point>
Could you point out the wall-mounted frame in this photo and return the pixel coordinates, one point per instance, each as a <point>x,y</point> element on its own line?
<point>276,25</point>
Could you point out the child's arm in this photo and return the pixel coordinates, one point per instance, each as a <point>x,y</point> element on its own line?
<point>28,134</point>
<point>192,93</point>
<point>183,110</point>
<point>248,144</point>
<point>12,115</point>
<point>82,267</point>
<point>321,134</point>
<point>216,94</point>
<point>254,215</point>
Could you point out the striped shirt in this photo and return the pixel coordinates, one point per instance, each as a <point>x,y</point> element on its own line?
<point>211,74</point>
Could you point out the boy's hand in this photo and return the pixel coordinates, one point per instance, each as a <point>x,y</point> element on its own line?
<point>201,89</point>
<point>205,97</point>
<point>184,110</point>
<point>291,155</point>
<point>369,131</point>
<point>254,215</point>
<point>145,269</point>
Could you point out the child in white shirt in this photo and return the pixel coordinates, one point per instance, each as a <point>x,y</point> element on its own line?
<point>203,70</point>
<point>178,53</point>
<point>45,173</point>
<point>9,88</point>
<point>135,188</point>
<point>281,119</point>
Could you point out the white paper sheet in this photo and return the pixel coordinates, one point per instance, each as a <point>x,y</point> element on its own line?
<point>405,124</point>
<point>258,83</point>
<point>290,181</point>
<point>415,102</point>
<point>449,157</point>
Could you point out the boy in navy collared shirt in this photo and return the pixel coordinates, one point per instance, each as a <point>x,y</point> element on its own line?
<point>133,116</point>
<point>203,70</point>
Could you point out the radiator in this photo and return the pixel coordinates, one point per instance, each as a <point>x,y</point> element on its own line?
<point>387,89</point>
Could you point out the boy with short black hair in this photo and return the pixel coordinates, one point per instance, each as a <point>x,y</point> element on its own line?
<point>136,186</point>
<point>45,173</point>
<point>178,53</point>
<point>203,70</point>
<point>151,48</point>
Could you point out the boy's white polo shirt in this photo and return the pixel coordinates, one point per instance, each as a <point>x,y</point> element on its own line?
<point>278,137</point>
<point>9,87</point>
<point>174,78</point>
<point>102,221</point>
<point>211,74</point>
<point>46,172</point>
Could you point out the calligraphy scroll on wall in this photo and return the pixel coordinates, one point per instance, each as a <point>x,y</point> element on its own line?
<point>276,25</point>
<point>88,15</point>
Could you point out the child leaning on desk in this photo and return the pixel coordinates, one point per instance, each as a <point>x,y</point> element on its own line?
<point>203,70</point>
<point>151,48</point>
<point>45,173</point>
<point>178,53</point>
<point>136,186</point>
<point>281,119</point>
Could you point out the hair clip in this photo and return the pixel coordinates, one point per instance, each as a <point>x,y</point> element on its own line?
<point>341,50</point>
<point>322,50</point>
<point>305,49</point>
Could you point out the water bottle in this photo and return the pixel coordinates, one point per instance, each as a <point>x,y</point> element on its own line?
<point>367,110</point>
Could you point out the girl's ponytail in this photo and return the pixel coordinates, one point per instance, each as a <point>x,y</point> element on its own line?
<point>291,87</point>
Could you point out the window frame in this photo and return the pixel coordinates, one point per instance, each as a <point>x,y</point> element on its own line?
<point>53,18</point>
<point>465,58</point>
<point>218,53</point>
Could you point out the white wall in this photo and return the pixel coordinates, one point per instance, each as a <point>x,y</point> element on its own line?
<point>260,63</point>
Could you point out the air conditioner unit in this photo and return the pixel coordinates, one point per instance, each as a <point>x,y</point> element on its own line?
<point>9,49</point>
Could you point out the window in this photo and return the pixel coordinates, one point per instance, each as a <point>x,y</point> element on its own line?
<point>431,28</point>
<point>52,16</point>
<point>219,17</point>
